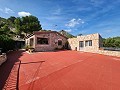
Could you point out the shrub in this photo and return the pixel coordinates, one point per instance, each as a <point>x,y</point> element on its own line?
<point>6,43</point>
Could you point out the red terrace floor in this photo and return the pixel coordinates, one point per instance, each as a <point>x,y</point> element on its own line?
<point>63,70</point>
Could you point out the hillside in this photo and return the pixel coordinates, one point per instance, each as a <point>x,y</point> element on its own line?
<point>68,35</point>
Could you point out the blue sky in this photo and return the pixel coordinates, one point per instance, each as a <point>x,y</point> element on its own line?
<point>74,16</point>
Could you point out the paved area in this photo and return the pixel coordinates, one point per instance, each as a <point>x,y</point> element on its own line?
<point>65,70</point>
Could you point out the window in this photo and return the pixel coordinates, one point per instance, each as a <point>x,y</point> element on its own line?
<point>59,42</point>
<point>81,44</point>
<point>88,43</point>
<point>42,40</point>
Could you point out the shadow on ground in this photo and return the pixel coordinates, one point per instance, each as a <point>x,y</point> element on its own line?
<point>9,70</point>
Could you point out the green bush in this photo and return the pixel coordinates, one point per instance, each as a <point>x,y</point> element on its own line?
<point>112,42</point>
<point>6,43</point>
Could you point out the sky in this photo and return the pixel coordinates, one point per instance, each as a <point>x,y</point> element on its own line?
<point>75,16</point>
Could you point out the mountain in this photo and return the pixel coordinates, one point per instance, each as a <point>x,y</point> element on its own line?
<point>68,35</point>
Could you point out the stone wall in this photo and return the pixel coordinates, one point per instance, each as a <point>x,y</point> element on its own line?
<point>110,53</point>
<point>106,52</point>
<point>96,42</point>
<point>3,58</point>
<point>52,40</point>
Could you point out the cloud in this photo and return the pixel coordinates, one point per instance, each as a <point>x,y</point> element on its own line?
<point>73,22</point>
<point>23,14</point>
<point>6,10</point>
<point>57,11</point>
<point>69,30</point>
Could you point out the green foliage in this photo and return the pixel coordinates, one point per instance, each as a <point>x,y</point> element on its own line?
<point>11,19</point>
<point>5,30</point>
<point>18,26</point>
<point>112,42</point>
<point>27,24</point>
<point>6,43</point>
<point>2,22</point>
<point>30,24</point>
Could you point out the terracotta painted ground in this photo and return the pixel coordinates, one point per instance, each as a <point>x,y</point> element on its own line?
<point>65,70</point>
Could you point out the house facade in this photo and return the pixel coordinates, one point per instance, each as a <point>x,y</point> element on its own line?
<point>87,43</point>
<point>51,40</point>
<point>46,40</point>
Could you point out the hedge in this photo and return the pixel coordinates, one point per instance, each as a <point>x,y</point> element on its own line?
<point>6,43</point>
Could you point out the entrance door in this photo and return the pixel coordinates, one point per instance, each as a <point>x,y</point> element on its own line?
<point>81,45</point>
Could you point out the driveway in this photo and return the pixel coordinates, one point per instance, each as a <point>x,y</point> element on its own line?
<point>62,70</point>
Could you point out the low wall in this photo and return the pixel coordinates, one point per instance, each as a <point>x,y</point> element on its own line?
<point>105,52</point>
<point>3,58</point>
<point>110,53</point>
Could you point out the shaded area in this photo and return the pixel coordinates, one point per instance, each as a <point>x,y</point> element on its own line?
<point>9,67</point>
<point>13,80</point>
<point>9,71</point>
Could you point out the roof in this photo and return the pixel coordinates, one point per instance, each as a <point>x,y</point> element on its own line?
<point>96,35</point>
<point>44,32</point>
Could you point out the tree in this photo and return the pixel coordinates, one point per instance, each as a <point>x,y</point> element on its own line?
<point>111,42</point>
<point>11,22</point>
<point>30,24</point>
<point>5,30</point>
<point>117,43</point>
<point>2,22</point>
<point>18,26</point>
<point>11,19</point>
<point>6,43</point>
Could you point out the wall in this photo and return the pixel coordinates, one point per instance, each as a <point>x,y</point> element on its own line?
<point>106,52</point>
<point>53,41</point>
<point>110,53</point>
<point>74,42</point>
<point>96,44</point>
<point>27,41</point>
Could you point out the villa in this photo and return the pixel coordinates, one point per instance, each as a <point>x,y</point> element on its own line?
<point>46,40</point>
<point>51,40</point>
<point>87,43</point>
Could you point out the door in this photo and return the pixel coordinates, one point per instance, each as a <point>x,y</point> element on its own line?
<point>81,45</point>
